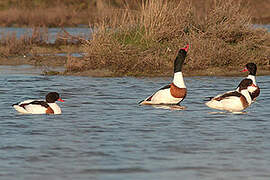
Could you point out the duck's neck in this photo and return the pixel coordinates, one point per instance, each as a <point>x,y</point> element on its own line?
<point>178,80</point>
<point>252,77</point>
<point>247,95</point>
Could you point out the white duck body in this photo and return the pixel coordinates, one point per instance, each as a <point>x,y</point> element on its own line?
<point>47,106</point>
<point>29,109</point>
<point>231,103</point>
<point>36,108</point>
<point>165,95</point>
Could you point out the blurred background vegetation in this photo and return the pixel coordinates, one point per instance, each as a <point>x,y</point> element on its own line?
<point>59,13</point>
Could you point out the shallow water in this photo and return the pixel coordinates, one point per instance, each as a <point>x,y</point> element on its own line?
<point>104,134</point>
<point>52,32</point>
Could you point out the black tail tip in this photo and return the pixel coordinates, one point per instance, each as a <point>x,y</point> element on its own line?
<point>15,104</point>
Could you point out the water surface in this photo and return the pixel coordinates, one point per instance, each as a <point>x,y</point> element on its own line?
<point>52,32</point>
<point>104,134</point>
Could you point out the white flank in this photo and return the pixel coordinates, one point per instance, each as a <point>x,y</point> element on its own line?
<point>164,96</point>
<point>35,109</point>
<point>20,109</point>
<point>232,103</point>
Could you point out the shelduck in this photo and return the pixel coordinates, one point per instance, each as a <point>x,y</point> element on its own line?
<point>47,106</point>
<point>175,92</point>
<point>233,101</point>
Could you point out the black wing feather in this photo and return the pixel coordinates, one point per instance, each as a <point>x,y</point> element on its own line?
<point>234,93</point>
<point>41,103</point>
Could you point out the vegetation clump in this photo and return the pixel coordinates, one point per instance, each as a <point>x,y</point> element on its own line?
<point>140,39</point>
<point>144,42</point>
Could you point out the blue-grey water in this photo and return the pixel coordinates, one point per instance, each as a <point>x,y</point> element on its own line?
<point>104,134</point>
<point>52,32</point>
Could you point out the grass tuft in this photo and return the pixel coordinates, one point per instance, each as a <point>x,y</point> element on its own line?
<point>145,42</point>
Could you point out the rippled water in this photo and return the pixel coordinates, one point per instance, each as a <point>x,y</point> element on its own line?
<point>104,134</point>
<point>52,32</point>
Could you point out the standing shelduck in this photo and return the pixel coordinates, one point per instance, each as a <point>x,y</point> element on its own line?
<point>175,92</point>
<point>252,69</point>
<point>47,106</point>
<point>233,101</point>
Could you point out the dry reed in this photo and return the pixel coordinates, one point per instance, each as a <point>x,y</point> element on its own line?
<point>12,45</point>
<point>35,38</point>
<point>51,13</point>
<point>143,42</point>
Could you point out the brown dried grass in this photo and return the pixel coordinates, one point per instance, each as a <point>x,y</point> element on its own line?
<point>35,41</point>
<point>226,37</point>
<point>53,13</point>
<point>136,42</point>
<point>12,45</point>
<point>51,17</point>
<point>143,42</point>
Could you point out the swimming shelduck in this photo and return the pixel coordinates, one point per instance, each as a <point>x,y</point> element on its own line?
<point>47,106</point>
<point>175,92</point>
<point>233,101</point>
<point>252,69</point>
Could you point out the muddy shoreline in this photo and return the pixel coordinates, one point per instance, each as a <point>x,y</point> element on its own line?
<point>52,62</point>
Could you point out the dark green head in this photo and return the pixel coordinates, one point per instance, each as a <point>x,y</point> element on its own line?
<point>251,68</point>
<point>52,97</point>
<point>180,58</point>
